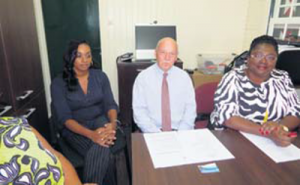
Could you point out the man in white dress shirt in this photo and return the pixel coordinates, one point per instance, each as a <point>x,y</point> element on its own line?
<point>147,93</point>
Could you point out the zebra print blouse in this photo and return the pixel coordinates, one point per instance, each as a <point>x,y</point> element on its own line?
<point>236,95</point>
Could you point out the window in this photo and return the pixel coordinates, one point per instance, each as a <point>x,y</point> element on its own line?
<point>285,21</point>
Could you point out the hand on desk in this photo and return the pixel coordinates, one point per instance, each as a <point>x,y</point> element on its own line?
<point>277,133</point>
<point>268,127</point>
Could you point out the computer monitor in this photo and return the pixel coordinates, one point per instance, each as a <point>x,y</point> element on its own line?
<point>147,36</point>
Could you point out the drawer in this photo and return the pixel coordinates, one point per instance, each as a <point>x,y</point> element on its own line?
<point>35,112</point>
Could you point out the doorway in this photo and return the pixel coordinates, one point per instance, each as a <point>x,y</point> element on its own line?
<point>70,20</point>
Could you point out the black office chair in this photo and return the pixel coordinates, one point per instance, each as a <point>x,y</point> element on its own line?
<point>290,61</point>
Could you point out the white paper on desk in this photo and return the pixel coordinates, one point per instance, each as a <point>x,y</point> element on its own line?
<point>185,147</point>
<point>276,153</point>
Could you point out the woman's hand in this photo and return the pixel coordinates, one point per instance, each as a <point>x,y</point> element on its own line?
<point>98,137</point>
<point>268,127</point>
<point>104,136</point>
<point>281,137</point>
<point>111,129</point>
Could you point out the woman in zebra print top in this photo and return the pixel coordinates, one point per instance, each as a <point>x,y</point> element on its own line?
<point>257,98</point>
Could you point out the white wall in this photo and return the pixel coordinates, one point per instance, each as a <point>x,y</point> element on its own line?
<point>257,20</point>
<point>43,50</point>
<point>203,26</point>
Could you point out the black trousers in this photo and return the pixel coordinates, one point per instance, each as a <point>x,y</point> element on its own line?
<point>97,159</point>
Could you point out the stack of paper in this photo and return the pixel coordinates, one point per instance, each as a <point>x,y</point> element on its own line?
<point>185,147</point>
<point>276,153</point>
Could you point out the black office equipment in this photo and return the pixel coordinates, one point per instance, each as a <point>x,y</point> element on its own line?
<point>126,57</point>
<point>147,36</point>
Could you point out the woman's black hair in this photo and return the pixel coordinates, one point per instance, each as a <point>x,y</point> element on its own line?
<point>69,58</point>
<point>264,39</point>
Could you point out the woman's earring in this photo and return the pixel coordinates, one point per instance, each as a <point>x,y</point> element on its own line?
<point>92,63</point>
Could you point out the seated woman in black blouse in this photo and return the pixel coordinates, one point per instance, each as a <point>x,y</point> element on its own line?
<point>257,98</point>
<point>86,111</point>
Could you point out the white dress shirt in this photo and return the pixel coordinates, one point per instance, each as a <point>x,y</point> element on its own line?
<point>146,101</point>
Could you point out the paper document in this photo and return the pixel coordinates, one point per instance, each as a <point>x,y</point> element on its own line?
<point>185,147</point>
<point>276,153</point>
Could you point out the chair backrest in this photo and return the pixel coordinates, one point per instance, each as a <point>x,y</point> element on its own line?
<point>290,61</point>
<point>205,103</point>
<point>205,97</point>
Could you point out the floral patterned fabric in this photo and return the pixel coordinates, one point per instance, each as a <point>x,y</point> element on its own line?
<point>23,160</point>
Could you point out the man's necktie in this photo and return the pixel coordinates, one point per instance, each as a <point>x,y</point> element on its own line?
<point>165,105</point>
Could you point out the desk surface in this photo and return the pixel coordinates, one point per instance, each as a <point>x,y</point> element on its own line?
<point>250,166</point>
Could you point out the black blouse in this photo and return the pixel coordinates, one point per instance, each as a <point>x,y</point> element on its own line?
<point>79,106</point>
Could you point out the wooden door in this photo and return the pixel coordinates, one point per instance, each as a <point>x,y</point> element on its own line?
<point>67,20</point>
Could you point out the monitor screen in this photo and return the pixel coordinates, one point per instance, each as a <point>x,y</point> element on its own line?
<point>147,36</point>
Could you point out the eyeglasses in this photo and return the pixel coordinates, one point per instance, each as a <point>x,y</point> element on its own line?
<point>260,56</point>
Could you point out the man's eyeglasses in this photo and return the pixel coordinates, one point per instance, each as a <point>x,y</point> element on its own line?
<point>260,56</point>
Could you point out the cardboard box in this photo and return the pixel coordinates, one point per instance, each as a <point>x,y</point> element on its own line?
<point>199,78</point>
<point>213,63</point>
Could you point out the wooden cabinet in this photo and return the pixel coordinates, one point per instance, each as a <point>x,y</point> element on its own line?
<point>21,51</point>
<point>35,111</point>
<point>5,103</point>
<point>21,81</point>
